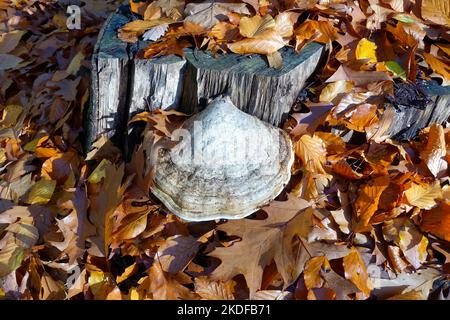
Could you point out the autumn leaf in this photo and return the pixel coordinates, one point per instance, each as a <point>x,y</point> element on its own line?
<point>176,252</point>
<point>208,13</point>
<point>437,11</point>
<point>408,238</point>
<point>333,89</point>
<point>359,78</point>
<point>312,152</point>
<point>424,196</point>
<point>41,192</point>
<point>439,66</point>
<point>266,43</point>
<point>165,287</point>
<point>366,50</point>
<point>262,241</point>
<point>435,150</point>
<point>312,273</point>
<point>355,270</point>
<point>437,221</point>
<point>252,27</point>
<point>214,290</point>
<point>368,197</point>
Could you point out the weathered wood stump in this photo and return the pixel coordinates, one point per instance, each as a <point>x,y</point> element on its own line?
<point>124,85</point>
<point>407,120</point>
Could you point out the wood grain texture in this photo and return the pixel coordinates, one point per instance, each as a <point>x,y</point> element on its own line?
<point>407,120</point>
<point>124,85</point>
<point>264,92</point>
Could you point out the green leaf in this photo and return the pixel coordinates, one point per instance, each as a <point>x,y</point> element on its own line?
<point>396,69</point>
<point>11,256</point>
<point>41,192</point>
<point>99,173</point>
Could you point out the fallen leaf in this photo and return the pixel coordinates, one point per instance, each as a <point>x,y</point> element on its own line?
<point>366,50</point>
<point>437,221</point>
<point>355,270</point>
<point>312,152</point>
<point>424,196</point>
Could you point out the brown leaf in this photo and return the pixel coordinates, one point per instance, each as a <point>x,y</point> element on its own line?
<point>437,221</point>
<point>262,241</point>
<point>214,290</point>
<point>176,252</point>
<point>355,270</point>
<point>435,150</point>
<point>312,273</point>
<point>368,197</point>
<point>360,78</point>
<point>312,152</point>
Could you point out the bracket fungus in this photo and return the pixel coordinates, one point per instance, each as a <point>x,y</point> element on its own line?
<point>226,165</point>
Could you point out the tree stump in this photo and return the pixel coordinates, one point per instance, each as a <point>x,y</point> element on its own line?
<point>124,85</point>
<point>405,121</point>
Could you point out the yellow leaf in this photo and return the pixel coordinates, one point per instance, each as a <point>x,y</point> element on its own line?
<point>312,273</point>
<point>366,50</point>
<point>255,26</point>
<point>437,11</point>
<point>266,43</point>
<point>439,66</point>
<point>356,272</point>
<point>100,171</point>
<point>41,192</point>
<point>333,89</point>
<point>424,196</point>
<point>11,256</point>
<point>312,152</point>
<point>129,271</point>
<point>10,115</point>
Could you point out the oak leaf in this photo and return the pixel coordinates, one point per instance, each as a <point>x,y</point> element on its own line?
<point>264,240</point>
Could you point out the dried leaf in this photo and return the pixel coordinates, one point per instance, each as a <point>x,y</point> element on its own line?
<point>355,270</point>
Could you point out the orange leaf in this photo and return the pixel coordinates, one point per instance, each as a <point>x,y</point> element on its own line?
<point>367,202</point>
<point>356,272</point>
<point>312,273</point>
<point>437,221</point>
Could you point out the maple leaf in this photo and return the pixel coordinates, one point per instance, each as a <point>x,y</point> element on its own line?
<point>262,241</point>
